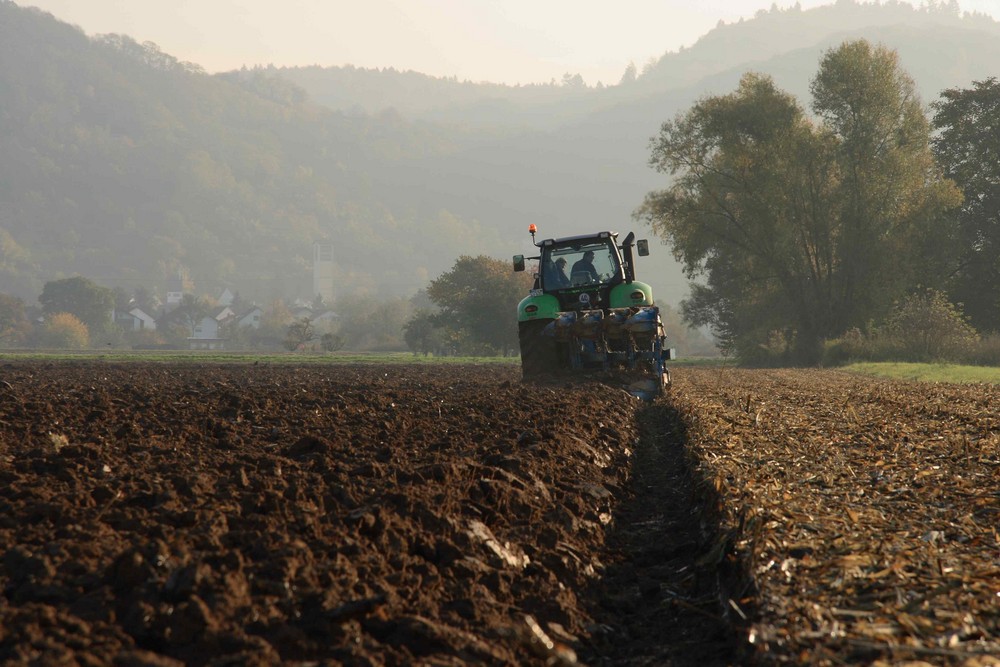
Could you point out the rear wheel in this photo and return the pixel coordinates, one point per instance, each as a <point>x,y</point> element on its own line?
<point>539,354</point>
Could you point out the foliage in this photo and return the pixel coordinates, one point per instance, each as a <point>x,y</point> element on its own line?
<point>893,234</point>
<point>145,338</point>
<point>742,211</point>
<point>850,347</point>
<point>423,334</point>
<point>332,342</point>
<point>478,298</point>
<point>63,330</point>
<point>179,324</point>
<point>799,231</point>
<point>927,327</point>
<point>89,302</point>
<point>276,314</point>
<point>373,324</point>
<point>986,352</point>
<point>968,148</point>
<point>145,300</point>
<point>109,338</point>
<point>922,327</point>
<point>299,333</point>
<point>237,337</point>
<point>14,325</point>
<point>274,324</point>
<point>122,300</point>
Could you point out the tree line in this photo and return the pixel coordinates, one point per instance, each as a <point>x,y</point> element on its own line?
<point>468,310</point>
<point>799,229</point>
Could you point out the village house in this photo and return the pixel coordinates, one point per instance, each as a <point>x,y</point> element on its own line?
<point>250,318</point>
<point>205,335</point>
<point>135,320</point>
<point>208,333</point>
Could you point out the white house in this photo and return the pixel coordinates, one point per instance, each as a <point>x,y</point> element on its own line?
<point>223,313</point>
<point>135,320</point>
<point>145,320</point>
<point>251,318</point>
<point>206,335</point>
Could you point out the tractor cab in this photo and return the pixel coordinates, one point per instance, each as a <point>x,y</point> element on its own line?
<point>583,262</point>
<point>582,272</point>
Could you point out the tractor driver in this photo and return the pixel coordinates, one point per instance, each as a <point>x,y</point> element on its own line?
<point>561,279</point>
<point>555,274</point>
<point>585,267</point>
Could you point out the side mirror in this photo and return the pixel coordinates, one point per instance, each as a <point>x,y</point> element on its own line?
<point>519,262</point>
<point>642,246</point>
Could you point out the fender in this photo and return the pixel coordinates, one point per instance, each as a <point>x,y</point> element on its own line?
<point>537,307</point>
<point>631,294</point>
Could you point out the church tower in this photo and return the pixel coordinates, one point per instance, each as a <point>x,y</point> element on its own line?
<point>323,271</point>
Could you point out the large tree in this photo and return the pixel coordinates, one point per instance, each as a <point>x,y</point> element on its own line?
<point>742,212</point>
<point>893,234</point>
<point>78,296</point>
<point>797,229</point>
<point>968,149</point>
<point>478,299</point>
<point>182,320</point>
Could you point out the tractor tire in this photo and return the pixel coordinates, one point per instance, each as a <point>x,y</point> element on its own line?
<point>539,353</point>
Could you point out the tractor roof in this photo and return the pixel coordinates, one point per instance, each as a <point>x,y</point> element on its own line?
<point>581,237</point>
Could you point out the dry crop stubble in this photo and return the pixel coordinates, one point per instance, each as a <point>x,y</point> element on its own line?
<point>867,510</point>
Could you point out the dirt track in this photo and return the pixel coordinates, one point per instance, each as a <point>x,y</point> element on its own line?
<point>356,514</point>
<point>159,515</point>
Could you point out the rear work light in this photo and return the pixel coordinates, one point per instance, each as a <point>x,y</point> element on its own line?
<point>637,295</point>
<point>532,309</point>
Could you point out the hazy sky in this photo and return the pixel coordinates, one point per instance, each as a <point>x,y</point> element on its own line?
<point>504,41</point>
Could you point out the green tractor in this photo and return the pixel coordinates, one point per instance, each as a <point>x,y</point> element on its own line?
<point>586,312</point>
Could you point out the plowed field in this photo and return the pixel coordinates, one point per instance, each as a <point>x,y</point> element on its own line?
<point>236,514</point>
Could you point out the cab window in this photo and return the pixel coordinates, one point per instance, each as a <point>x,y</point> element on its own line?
<point>582,264</point>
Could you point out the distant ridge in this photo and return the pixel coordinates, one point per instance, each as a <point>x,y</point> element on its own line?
<point>744,45</point>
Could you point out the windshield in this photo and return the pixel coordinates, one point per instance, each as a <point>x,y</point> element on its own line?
<point>583,263</point>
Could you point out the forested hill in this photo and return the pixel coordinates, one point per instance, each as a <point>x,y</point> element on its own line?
<point>124,165</point>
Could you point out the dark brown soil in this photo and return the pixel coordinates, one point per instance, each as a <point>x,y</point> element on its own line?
<point>236,514</point>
